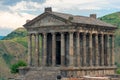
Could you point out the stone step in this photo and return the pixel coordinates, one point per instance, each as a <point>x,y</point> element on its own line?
<point>42,75</point>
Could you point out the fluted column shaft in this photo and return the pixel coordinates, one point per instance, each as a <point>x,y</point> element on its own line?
<point>29,50</point>
<point>44,49</point>
<point>90,48</point>
<point>37,49</point>
<point>62,50</point>
<point>102,49</point>
<point>108,50</point>
<point>78,48</point>
<point>97,51</point>
<point>53,49</point>
<point>113,60</point>
<point>84,49</point>
<point>71,58</point>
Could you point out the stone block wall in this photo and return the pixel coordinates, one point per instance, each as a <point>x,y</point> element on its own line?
<point>87,72</point>
<point>88,79</point>
<point>43,73</point>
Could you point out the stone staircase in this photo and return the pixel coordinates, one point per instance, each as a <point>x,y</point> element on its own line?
<point>42,74</point>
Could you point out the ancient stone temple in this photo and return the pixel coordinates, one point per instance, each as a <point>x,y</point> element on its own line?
<point>66,44</point>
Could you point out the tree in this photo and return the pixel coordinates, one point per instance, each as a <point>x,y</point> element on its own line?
<point>14,67</point>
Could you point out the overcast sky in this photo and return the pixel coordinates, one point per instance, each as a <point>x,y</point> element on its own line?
<point>14,13</point>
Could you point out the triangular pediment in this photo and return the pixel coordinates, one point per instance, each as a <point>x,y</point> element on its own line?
<point>48,20</point>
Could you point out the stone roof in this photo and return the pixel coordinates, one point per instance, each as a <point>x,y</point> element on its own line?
<point>82,19</point>
<point>73,19</point>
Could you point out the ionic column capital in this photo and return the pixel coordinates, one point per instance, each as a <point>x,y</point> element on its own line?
<point>53,33</point>
<point>77,33</point>
<point>44,34</point>
<point>29,34</point>
<point>71,32</point>
<point>36,33</point>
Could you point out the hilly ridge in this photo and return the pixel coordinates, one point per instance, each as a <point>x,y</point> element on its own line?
<point>13,47</point>
<point>113,19</point>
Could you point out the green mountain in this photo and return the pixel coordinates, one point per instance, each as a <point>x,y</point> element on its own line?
<point>113,18</point>
<point>18,35</point>
<point>20,32</point>
<point>13,47</point>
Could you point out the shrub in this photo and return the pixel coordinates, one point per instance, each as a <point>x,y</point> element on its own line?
<point>118,71</point>
<point>14,67</point>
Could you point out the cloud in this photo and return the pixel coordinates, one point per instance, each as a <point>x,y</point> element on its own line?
<point>5,31</point>
<point>64,5</point>
<point>13,19</point>
<point>60,5</point>
<point>18,13</point>
<point>25,5</point>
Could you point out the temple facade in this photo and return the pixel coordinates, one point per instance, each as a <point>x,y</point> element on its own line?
<point>75,45</point>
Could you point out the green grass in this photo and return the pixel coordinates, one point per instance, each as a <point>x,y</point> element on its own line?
<point>21,40</point>
<point>2,78</point>
<point>8,58</point>
<point>113,18</point>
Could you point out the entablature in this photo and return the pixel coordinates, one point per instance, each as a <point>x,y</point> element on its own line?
<point>74,28</point>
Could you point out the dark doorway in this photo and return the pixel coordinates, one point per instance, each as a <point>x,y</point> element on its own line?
<point>58,51</point>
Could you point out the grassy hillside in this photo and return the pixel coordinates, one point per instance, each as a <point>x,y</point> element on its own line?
<point>113,18</point>
<point>18,35</point>
<point>20,32</point>
<point>10,52</point>
<point>12,48</point>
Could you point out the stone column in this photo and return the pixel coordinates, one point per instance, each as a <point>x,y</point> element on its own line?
<point>62,50</point>
<point>30,50</point>
<point>90,48</point>
<point>78,48</point>
<point>37,49</point>
<point>53,49</point>
<point>34,59</point>
<point>113,51</point>
<point>71,58</point>
<point>44,49</point>
<point>102,49</point>
<point>108,50</point>
<point>96,49</point>
<point>84,49</point>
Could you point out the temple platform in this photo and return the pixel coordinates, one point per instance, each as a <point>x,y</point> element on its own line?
<point>51,73</point>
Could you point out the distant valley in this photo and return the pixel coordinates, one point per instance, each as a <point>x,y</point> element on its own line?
<point>1,37</point>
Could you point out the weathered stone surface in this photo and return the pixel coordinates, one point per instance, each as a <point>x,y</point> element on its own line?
<point>46,73</point>
<point>69,48</point>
